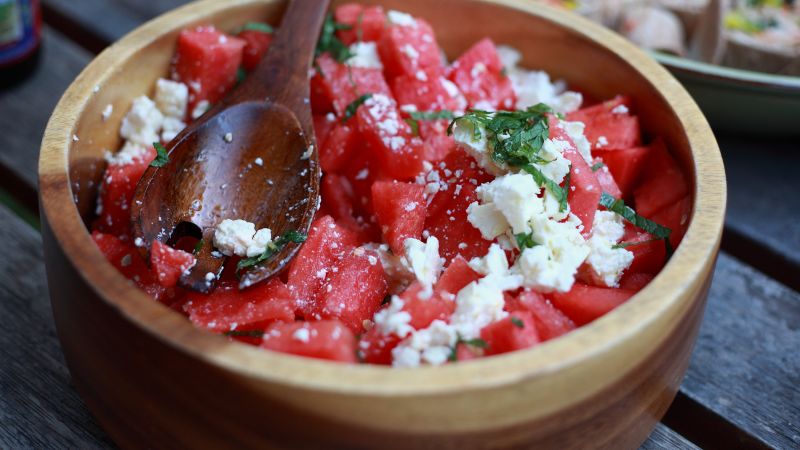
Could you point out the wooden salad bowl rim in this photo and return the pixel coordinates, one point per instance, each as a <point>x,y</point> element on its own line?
<point>674,290</point>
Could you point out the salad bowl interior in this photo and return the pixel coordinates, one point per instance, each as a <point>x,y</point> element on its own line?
<point>152,378</point>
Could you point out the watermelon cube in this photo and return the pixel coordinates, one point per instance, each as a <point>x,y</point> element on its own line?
<point>609,125</point>
<point>407,48</point>
<point>584,303</point>
<point>649,256</point>
<point>400,209</point>
<point>550,322</point>
<point>376,347</point>
<point>676,218</point>
<point>116,194</point>
<point>324,339</point>
<point>366,22</point>
<point>338,200</point>
<point>425,307</point>
<point>256,44</point>
<point>206,60</point>
<point>354,290</point>
<point>585,189</point>
<point>625,165</point>
<point>428,91</point>
<point>125,257</point>
<point>663,183</point>
<point>169,263</point>
<point>515,332</point>
<point>635,281</point>
<point>478,73</point>
<point>456,276</point>
<point>339,147</point>
<point>342,85</point>
<point>323,124</point>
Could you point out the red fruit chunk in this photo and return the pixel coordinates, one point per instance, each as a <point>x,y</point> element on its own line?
<point>609,125</point>
<point>400,208</point>
<point>338,200</point>
<point>584,304</point>
<point>323,124</point>
<point>206,60</point>
<point>376,347</point>
<point>362,172</point>
<point>550,322</point>
<point>116,194</point>
<point>478,73</point>
<point>447,211</point>
<point>389,138</point>
<point>125,257</point>
<point>342,84</point>
<point>428,92</point>
<point>465,352</point>
<point>406,49</point>
<point>339,148</point>
<point>366,22</point>
<point>676,218</point>
<point>325,339</point>
<point>516,332</point>
<point>625,165</point>
<point>228,308</point>
<point>649,256</point>
<point>169,263</point>
<point>256,44</point>
<point>424,309</point>
<point>355,290</point>
<point>456,276</point>
<point>584,192</point>
<point>327,244</point>
<point>663,183</point>
<point>635,281</point>
<point>607,182</point>
<point>437,146</point>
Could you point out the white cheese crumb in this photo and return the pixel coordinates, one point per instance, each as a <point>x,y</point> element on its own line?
<point>107,111</point>
<point>410,51</point>
<point>423,259</point>
<point>142,122</point>
<point>620,109</point>
<point>365,55</point>
<point>228,137</point>
<point>607,263</point>
<point>239,237</point>
<point>301,334</point>
<point>431,345</point>
<point>494,262</point>
<point>171,127</point>
<point>393,320</point>
<point>400,18</point>
<point>171,98</point>
<point>481,302</point>
<point>258,162</point>
<point>200,108</point>
<point>129,153</point>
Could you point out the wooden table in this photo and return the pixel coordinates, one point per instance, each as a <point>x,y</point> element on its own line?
<point>743,386</point>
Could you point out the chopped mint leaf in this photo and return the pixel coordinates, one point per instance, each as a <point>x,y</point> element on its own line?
<point>416,116</point>
<point>413,124</point>
<point>245,333</point>
<point>476,342</point>
<point>241,74</point>
<point>272,248</point>
<point>162,157</point>
<point>329,43</point>
<point>560,193</point>
<point>351,109</point>
<point>517,322</point>
<point>198,247</point>
<point>258,26</point>
<point>618,206</point>
<point>629,244</point>
<point>597,166</point>
<point>525,240</point>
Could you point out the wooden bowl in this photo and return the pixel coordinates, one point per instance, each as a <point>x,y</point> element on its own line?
<point>152,379</point>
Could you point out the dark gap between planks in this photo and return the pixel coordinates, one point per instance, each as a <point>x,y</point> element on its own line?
<point>761,257</point>
<point>86,38</point>
<point>707,429</point>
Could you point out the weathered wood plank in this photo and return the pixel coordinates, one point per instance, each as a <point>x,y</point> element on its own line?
<point>763,202</point>
<point>97,23</point>
<point>38,407</point>
<point>663,438</point>
<point>26,107</point>
<point>745,367</point>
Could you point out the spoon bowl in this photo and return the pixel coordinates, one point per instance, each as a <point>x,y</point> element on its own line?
<point>251,157</point>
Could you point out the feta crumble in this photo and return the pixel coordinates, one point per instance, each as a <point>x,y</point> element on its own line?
<point>365,55</point>
<point>142,123</point>
<point>239,237</point>
<point>607,263</point>
<point>400,18</point>
<point>432,345</point>
<point>171,98</point>
<point>422,258</point>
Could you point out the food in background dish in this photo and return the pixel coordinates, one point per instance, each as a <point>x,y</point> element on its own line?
<point>468,209</point>
<point>761,35</point>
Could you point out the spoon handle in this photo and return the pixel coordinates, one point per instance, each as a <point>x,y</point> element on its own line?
<point>282,76</point>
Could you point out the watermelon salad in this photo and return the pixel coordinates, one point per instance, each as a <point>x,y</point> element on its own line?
<point>469,207</point>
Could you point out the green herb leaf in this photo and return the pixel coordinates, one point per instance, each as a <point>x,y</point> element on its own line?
<point>245,333</point>
<point>525,240</point>
<point>241,74</point>
<point>597,166</point>
<point>272,248</point>
<point>351,109</point>
<point>560,193</point>
<point>476,342</point>
<point>630,244</point>
<point>618,206</point>
<point>517,322</point>
<point>416,116</point>
<point>258,26</point>
<point>198,247</point>
<point>329,43</point>
<point>413,124</point>
<point>162,157</point>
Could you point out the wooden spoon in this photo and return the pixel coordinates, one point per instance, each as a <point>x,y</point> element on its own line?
<point>252,157</point>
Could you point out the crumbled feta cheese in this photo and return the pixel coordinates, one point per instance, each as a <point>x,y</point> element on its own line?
<point>509,56</point>
<point>553,263</point>
<point>464,135</point>
<point>171,98</point>
<point>127,155</point>
<point>423,259</point>
<point>365,55</point>
<point>398,274</point>
<point>301,334</point>
<point>239,237</point>
<point>410,51</point>
<point>607,263</point>
<point>602,141</point>
<point>400,18</point>
<point>575,131</point>
<point>487,219</point>
<point>107,111</point>
<point>393,320</point>
<point>620,109</point>
<point>494,262</point>
<point>228,137</point>
<point>200,108</point>
<point>142,123</point>
<point>481,302</point>
<point>515,196</point>
<point>258,162</point>
<point>432,345</point>
<point>558,167</point>
<point>171,127</point>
